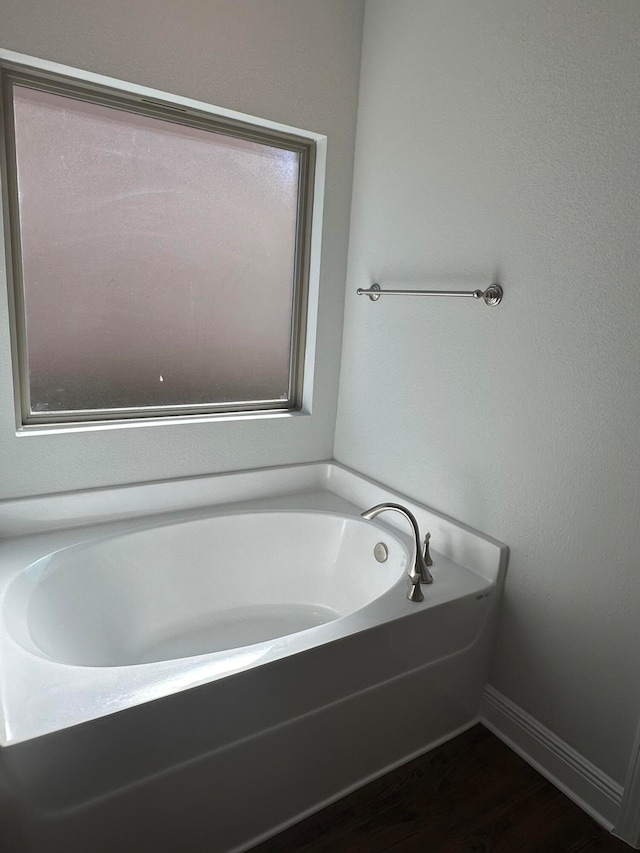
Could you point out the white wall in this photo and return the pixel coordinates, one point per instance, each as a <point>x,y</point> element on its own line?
<point>290,61</point>
<point>502,137</point>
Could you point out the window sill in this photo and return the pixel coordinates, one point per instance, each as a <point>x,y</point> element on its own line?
<point>137,423</point>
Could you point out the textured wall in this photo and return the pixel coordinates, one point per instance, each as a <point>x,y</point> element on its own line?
<point>290,61</point>
<point>501,136</point>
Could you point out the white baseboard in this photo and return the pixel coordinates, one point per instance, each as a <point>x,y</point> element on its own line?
<point>628,823</point>
<point>579,779</point>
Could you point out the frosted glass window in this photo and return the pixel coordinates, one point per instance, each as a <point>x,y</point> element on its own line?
<point>161,261</point>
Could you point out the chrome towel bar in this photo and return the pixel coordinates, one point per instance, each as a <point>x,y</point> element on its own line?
<point>492,295</point>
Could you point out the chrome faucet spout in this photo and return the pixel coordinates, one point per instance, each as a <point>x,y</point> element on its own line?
<point>418,564</point>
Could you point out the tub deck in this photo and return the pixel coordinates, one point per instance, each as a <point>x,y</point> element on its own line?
<point>286,736</point>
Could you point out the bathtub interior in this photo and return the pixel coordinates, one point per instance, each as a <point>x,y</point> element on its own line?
<point>201,586</point>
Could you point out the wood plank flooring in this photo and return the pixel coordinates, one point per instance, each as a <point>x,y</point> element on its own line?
<point>471,795</point>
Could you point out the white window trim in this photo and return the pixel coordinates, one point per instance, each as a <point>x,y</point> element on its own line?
<point>30,63</point>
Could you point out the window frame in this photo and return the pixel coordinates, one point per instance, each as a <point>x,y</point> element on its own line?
<point>173,109</point>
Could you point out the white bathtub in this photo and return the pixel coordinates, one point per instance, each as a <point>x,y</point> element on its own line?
<point>176,667</point>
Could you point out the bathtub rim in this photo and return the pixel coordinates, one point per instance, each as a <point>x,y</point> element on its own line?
<point>37,514</point>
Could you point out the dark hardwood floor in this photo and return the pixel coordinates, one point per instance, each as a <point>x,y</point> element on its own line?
<point>471,795</point>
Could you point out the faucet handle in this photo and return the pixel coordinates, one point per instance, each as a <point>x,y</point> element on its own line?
<point>415,593</point>
<point>427,556</point>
